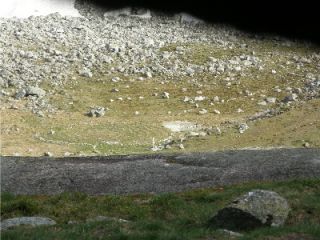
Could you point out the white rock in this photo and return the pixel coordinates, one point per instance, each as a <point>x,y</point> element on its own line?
<point>48,154</point>
<point>271,100</point>
<point>199,98</point>
<point>165,95</point>
<point>203,111</point>
<point>216,111</point>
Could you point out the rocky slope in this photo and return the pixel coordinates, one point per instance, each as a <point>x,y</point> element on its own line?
<point>137,55</point>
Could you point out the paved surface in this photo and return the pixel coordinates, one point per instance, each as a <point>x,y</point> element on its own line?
<point>155,173</point>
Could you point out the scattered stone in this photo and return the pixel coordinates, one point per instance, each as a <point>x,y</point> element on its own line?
<point>190,71</point>
<point>203,111</point>
<point>199,98</point>
<point>216,99</point>
<point>85,72</point>
<point>136,113</point>
<point>290,98</point>
<point>217,131</point>
<point>239,110</point>
<point>40,114</point>
<point>20,94</point>
<point>243,127</point>
<point>165,95</point>
<point>216,111</point>
<point>306,145</point>
<point>96,112</point>
<point>48,154</point>
<point>181,146</point>
<point>115,90</point>
<point>257,208</point>
<point>149,75</point>
<point>187,99</point>
<point>115,79</point>
<point>33,221</point>
<point>271,100</point>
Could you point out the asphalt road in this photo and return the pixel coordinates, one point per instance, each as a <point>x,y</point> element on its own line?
<point>154,173</point>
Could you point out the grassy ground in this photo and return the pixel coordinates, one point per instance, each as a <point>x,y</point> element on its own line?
<point>121,131</point>
<point>166,216</point>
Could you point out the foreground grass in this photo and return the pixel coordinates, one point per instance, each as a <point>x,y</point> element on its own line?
<point>165,216</point>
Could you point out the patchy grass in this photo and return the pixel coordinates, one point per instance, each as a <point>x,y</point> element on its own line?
<point>165,216</point>
<point>120,131</point>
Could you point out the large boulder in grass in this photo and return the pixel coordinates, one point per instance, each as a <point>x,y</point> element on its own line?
<point>254,209</point>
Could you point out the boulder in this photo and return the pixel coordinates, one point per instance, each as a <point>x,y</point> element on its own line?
<point>257,208</point>
<point>35,91</point>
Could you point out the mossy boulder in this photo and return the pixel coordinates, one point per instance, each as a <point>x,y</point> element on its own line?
<point>257,208</point>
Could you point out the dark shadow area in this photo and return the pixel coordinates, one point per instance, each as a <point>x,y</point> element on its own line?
<point>294,20</point>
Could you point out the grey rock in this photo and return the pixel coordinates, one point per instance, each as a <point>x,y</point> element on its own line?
<point>243,127</point>
<point>271,100</point>
<point>20,94</point>
<point>35,91</point>
<point>254,209</point>
<point>33,221</point>
<point>231,233</point>
<point>85,72</point>
<point>291,98</point>
<point>97,112</point>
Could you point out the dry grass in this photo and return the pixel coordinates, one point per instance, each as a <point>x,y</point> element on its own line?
<point>120,131</point>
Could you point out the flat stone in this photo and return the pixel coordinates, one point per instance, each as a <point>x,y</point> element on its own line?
<point>181,126</point>
<point>33,221</point>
